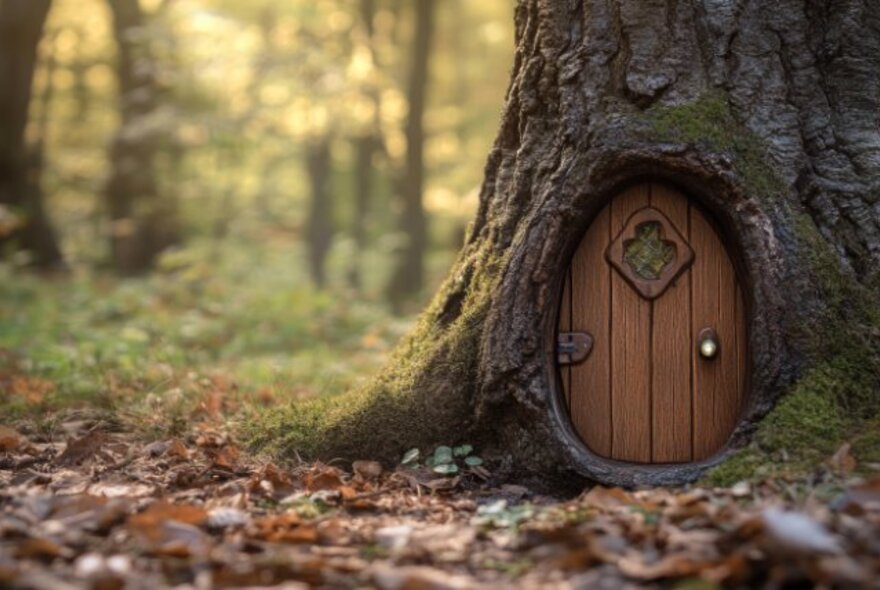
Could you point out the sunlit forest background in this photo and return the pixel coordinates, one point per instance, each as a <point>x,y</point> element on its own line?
<point>255,196</point>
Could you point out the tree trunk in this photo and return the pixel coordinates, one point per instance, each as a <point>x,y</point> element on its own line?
<point>365,146</point>
<point>765,114</point>
<point>408,277</point>
<point>21,28</point>
<point>320,223</point>
<point>142,220</point>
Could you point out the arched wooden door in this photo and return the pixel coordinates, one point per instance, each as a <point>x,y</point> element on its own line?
<point>654,288</point>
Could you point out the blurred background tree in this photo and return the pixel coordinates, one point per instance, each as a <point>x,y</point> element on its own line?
<point>23,221</point>
<point>351,132</point>
<point>260,193</point>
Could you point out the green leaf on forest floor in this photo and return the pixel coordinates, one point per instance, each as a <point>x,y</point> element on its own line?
<point>411,456</point>
<point>442,455</point>
<point>445,460</point>
<point>446,469</point>
<point>463,450</point>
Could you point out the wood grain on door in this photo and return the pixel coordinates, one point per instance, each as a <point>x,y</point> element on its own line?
<point>644,394</point>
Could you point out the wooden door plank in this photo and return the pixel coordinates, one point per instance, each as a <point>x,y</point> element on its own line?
<point>671,349</point>
<point>715,398</point>
<point>565,326</point>
<point>742,350</point>
<point>630,350</point>
<point>591,313</point>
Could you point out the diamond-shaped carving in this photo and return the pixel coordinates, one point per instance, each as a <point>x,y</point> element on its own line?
<point>649,252</point>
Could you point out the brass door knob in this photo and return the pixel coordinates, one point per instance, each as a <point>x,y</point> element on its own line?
<point>708,344</point>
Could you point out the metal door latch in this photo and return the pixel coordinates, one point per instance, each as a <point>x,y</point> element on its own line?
<point>573,347</point>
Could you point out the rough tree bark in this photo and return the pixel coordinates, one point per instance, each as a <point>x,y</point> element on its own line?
<point>142,220</point>
<point>765,113</point>
<point>21,28</point>
<point>408,276</point>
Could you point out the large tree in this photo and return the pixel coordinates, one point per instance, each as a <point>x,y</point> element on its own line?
<point>21,28</point>
<point>766,113</point>
<point>142,218</point>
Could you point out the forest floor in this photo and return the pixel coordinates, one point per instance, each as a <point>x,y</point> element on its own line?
<point>124,462</point>
<point>95,507</point>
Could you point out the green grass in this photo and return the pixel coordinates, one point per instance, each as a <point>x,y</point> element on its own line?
<point>212,331</point>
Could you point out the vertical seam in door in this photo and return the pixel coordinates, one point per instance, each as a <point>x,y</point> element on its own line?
<point>716,401</point>
<point>691,336</point>
<point>651,380</point>
<point>609,328</point>
<point>735,351</point>
<point>736,336</point>
<point>651,359</point>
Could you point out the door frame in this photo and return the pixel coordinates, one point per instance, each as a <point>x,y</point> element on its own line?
<point>633,474</point>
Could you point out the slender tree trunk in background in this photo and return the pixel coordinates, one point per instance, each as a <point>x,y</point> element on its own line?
<point>365,146</point>
<point>142,221</point>
<point>21,28</point>
<point>763,113</point>
<point>408,277</point>
<point>320,222</point>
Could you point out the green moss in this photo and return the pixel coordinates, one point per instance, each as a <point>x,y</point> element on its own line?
<point>709,121</point>
<point>809,419</point>
<point>411,404</point>
<point>745,465</point>
<point>834,403</point>
<point>840,334</point>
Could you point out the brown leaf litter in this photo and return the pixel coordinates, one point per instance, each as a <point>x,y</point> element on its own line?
<point>104,510</point>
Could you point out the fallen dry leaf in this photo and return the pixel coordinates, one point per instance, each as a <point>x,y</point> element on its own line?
<point>148,521</point>
<point>39,548</point>
<point>95,513</point>
<point>81,449</point>
<point>367,470</point>
<point>608,498</point>
<point>323,477</point>
<point>271,482</point>
<point>10,440</point>
<point>177,450</point>
<point>287,527</point>
<point>226,458</point>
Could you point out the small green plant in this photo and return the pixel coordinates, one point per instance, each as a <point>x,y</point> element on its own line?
<point>444,460</point>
